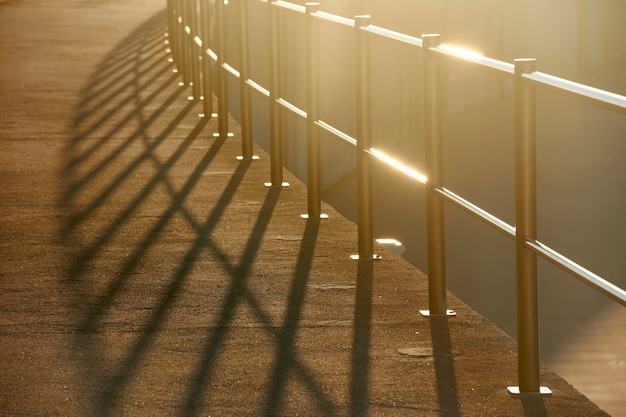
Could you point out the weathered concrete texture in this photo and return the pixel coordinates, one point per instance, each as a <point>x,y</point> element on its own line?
<point>145,271</point>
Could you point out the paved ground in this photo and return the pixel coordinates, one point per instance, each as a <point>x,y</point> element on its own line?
<point>145,271</point>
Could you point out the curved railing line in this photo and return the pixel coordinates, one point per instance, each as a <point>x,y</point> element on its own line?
<point>526,80</point>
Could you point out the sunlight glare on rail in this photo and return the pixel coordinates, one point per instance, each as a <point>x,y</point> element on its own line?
<point>399,166</point>
<point>460,52</point>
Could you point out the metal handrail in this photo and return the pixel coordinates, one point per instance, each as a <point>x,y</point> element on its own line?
<point>191,51</point>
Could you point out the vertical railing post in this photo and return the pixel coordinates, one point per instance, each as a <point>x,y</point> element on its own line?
<point>364,138</point>
<point>170,28</point>
<point>222,87</point>
<point>276,133</point>
<point>312,134</point>
<point>525,229</point>
<point>177,46</point>
<point>437,303</point>
<point>186,43</point>
<point>244,75</point>
<point>205,33</point>
<point>194,50</point>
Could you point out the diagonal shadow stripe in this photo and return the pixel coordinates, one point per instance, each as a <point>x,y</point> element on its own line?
<point>77,218</point>
<point>129,365</point>
<point>118,58</point>
<point>240,292</point>
<point>94,316</point>
<point>239,276</point>
<point>85,179</point>
<point>112,112</point>
<point>86,109</point>
<point>287,334</point>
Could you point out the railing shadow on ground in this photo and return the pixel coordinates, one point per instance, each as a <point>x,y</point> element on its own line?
<point>114,166</point>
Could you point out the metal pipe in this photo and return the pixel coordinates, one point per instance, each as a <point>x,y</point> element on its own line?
<point>186,43</point>
<point>437,303</point>
<point>312,134</point>
<point>207,88</point>
<point>276,134</point>
<point>526,228</point>
<point>195,51</point>
<point>244,91</point>
<point>364,139</point>
<point>178,43</point>
<point>170,26</point>
<point>222,87</point>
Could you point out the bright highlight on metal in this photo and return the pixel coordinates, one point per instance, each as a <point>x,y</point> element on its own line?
<point>460,52</point>
<point>398,166</point>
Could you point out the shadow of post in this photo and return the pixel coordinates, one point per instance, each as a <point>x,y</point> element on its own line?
<point>443,358</point>
<point>359,388</point>
<point>237,293</point>
<point>534,406</point>
<point>287,334</point>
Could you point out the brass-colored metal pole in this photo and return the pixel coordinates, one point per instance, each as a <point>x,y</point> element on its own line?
<point>437,302</point>
<point>222,87</point>
<point>364,139</point>
<point>177,47</point>
<point>185,43</point>
<point>170,26</point>
<point>312,134</point>
<point>244,91</point>
<point>205,30</point>
<point>525,229</point>
<point>194,49</point>
<point>276,134</point>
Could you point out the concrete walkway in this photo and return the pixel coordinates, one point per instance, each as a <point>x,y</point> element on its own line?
<point>146,272</point>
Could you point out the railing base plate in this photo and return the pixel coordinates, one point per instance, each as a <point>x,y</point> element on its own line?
<point>449,313</point>
<point>306,216</point>
<point>282,184</point>
<point>515,391</point>
<point>375,257</point>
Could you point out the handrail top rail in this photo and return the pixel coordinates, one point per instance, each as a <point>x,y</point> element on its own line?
<point>613,101</point>
<point>289,6</point>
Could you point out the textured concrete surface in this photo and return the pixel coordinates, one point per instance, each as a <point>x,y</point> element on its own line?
<point>145,271</point>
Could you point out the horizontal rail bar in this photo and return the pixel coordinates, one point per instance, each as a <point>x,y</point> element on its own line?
<point>338,133</point>
<point>579,272</point>
<point>334,18</point>
<point>231,70</point>
<point>397,165</point>
<point>295,109</point>
<point>258,87</point>
<point>393,35</point>
<point>595,95</point>
<point>211,54</point>
<point>472,57</point>
<point>476,211</point>
<point>289,6</point>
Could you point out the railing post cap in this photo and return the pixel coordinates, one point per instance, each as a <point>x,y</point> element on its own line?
<point>361,20</point>
<point>431,40</point>
<point>525,65</point>
<point>312,7</point>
